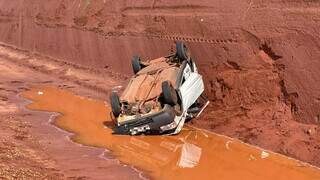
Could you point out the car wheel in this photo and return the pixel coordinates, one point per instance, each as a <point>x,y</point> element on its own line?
<point>182,51</point>
<point>136,65</point>
<point>115,104</point>
<point>169,93</point>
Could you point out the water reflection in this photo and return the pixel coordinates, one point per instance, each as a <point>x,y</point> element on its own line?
<point>176,151</point>
<point>191,154</point>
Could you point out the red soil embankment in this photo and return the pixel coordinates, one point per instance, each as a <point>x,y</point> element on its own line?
<point>260,59</point>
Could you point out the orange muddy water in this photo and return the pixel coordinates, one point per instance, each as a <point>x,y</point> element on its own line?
<point>192,154</point>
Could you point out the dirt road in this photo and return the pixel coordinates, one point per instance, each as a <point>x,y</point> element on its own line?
<point>30,147</point>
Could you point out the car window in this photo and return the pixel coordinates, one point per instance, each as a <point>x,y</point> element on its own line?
<point>183,79</point>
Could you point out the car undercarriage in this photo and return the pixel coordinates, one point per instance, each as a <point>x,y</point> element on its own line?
<point>161,96</point>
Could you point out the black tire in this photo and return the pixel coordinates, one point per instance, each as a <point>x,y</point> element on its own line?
<point>169,93</point>
<point>136,65</point>
<point>182,51</point>
<point>115,104</point>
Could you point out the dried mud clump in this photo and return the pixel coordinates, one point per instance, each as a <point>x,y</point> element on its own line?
<point>81,21</point>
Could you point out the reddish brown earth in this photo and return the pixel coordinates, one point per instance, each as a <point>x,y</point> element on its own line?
<point>32,148</point>
<point>260,59</point>
<point>192,153</point>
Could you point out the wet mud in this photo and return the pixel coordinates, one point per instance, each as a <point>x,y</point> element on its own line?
<point>194,153</point>
<point>31,147</point>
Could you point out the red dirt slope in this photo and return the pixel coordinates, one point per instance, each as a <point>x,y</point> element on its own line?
<point>260,59</point>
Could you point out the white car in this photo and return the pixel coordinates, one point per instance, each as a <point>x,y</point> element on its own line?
<point>161,96</point>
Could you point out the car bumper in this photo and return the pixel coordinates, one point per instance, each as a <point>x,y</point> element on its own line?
<point>149,124</point>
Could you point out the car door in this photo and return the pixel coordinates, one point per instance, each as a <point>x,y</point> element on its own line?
<point>191,88</point>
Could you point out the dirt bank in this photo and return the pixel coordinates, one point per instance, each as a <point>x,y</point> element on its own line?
<point>260,59</point>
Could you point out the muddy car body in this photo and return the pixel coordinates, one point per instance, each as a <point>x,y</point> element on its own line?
<point>162,94</point>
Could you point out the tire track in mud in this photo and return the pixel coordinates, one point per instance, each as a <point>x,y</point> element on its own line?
<point>107,35</point>
<point>194,39</point>
<point>171,8</point>
<point>176,11</point>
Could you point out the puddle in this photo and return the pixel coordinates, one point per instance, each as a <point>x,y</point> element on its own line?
<point>191,154</point>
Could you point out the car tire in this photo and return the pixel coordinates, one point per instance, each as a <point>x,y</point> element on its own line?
<point>136,65</point>
<point>115,104</point>
<point>169,93</point>
<point>182,51</point>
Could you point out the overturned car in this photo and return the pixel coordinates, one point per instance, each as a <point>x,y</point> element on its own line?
<point>161,96</point>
